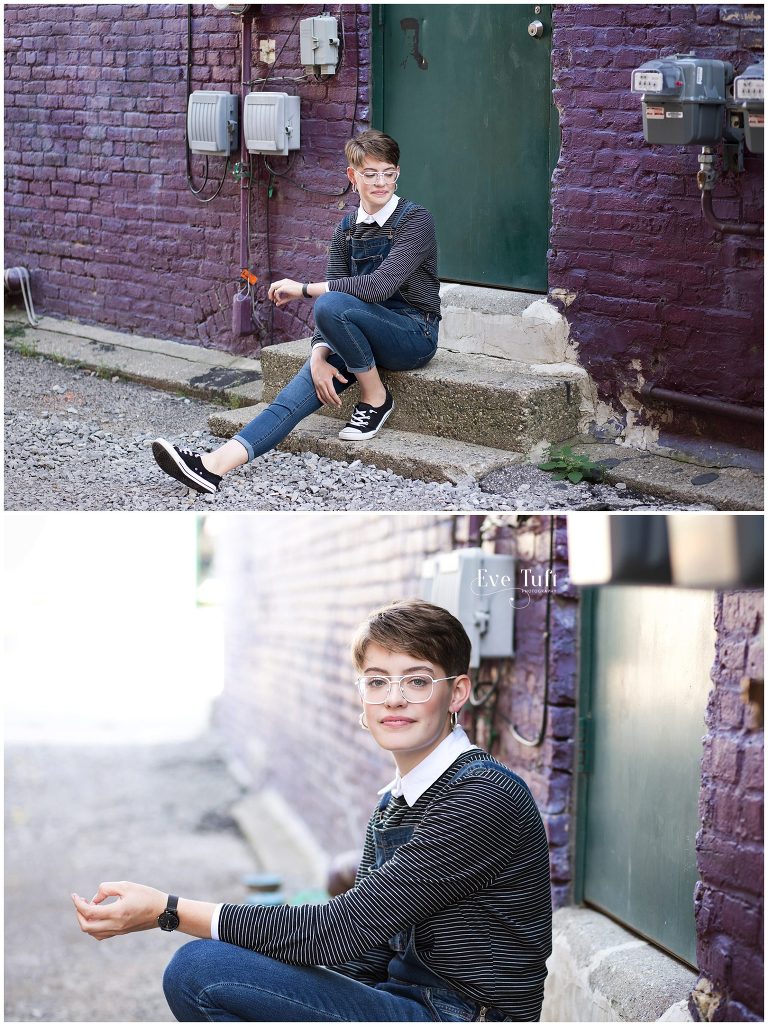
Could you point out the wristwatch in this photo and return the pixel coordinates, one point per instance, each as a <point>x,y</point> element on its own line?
<point>305,291</point>
<point>169,920</point>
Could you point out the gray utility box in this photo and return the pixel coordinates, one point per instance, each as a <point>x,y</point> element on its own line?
<point>683,99</point>
<point>319,44</point>
<point>748,97</point>
<point>272,123</point>
<point>212,122</point>
<point>479,589</point>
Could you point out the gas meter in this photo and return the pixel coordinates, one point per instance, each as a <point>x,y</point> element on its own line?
<point>683,99</point>
<point>748,97</point>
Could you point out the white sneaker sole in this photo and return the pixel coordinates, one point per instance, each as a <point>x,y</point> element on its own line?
<point>169,460</point>
<point>349,434</point>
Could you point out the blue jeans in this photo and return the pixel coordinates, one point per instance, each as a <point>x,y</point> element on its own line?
<point>210,981</point>
<point>393,335</point>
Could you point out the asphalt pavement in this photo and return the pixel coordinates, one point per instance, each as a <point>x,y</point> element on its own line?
<point>77,816</point>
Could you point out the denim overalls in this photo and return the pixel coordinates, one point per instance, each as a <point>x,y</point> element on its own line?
<point>406,969</point>
<point>366,255</point>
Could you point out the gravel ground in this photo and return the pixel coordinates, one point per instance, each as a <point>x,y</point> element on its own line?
<point>75,816</point>
<point>76,441</point>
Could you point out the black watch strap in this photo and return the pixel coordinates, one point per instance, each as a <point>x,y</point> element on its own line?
<point>305,291</point>
<point>169,919</point>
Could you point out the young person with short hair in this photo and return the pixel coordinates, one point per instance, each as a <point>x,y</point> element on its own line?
<point>450,917</point>
<point>379,307</point>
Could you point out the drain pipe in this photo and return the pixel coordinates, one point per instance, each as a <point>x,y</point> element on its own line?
<point>702,403</point>
<point>242,317</point>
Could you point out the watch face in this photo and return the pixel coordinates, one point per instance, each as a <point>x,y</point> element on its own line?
<point>168,920</point>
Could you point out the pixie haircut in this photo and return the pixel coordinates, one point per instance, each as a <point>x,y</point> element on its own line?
<point>419,629</point>
<point>374,144</point>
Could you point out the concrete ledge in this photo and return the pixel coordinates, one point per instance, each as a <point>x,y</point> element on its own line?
<point>173,366</point>
<point>469,398</point>
<point>281,840</point>
<point>599,972</point>
<point>727,488</point>
<point>423,457</point>
<point>517,326</point>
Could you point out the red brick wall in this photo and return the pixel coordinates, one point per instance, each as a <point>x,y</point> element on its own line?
<point>729,896</point>
<point>659,296</point>
<point>97,205</point>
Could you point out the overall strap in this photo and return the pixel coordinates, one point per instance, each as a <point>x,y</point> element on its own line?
<point>384,801</point>
<point>399,215</point>
<point>487,762</point>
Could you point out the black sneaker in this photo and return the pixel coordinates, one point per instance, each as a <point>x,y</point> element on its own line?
<point>367,420</point>
<point>185,465</point>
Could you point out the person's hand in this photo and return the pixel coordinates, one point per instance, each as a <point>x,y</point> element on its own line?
<point>323,374</point>
<point>137,908</point>
<point>280,292</point>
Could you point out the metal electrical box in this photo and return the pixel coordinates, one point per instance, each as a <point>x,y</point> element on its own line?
<point>479,589</point>
<point>748,96</point>
<point>683,99</point>
<point>212,122</point>
<point>319,42</point>
<point>272,123</point>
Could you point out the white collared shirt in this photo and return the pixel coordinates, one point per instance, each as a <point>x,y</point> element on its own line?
<point>413,785</point>
<point>381,216</point>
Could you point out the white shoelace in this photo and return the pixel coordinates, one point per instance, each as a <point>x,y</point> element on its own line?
<point>360,417</point>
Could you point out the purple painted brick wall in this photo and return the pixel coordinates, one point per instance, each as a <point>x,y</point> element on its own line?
<point>659,297</point>
<point>97,205</point>
<point>728,900</point>
<point>549,768</point>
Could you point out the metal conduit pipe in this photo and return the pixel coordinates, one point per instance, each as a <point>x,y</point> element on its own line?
<point>702,403</point>
<point>245,78</point>
<point>726,227</point>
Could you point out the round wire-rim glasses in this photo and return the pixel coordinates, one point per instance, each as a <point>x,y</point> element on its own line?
<point>375,689</point>
<point>387,177</point>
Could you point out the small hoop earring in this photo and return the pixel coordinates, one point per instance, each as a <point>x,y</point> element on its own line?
<point>454,720</point>
<point>363,724</point>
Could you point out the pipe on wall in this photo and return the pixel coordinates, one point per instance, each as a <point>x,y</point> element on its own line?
<point>726,227</point>
<point>701,403</point>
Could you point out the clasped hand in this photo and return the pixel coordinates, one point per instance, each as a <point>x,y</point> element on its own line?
<point>280,292</point>
<point>136,908</point>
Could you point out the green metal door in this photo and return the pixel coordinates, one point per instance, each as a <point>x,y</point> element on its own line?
<point>643,705</point>
<point>467,93</point>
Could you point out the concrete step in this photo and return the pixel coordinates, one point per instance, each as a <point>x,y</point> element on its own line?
<point>473,399</point>
<point>424,457</point>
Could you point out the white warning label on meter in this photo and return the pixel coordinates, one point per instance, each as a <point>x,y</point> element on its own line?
<point>654,113</point>
<point>755,120</point>
<point>674,113</point>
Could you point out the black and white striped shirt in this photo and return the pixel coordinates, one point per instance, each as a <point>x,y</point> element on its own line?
<point>473,878</point>
<point>410,265</point>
